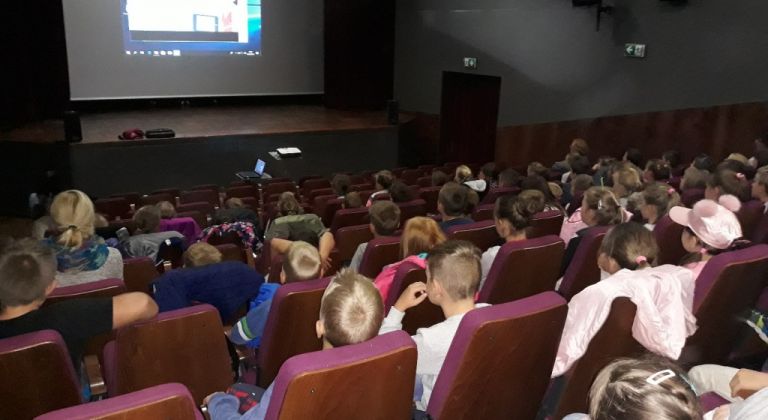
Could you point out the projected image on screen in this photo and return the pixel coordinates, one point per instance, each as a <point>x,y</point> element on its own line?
<point>191,27</point>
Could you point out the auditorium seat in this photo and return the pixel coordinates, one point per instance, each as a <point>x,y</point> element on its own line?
<point>726,289</point>
<point>613,340</point>
<point>203,207</point>
<point>267,181</point>
<point>199,217</point>
<point>328,209</point>
<point>349,217</point>
<point>295,308</point>
<point>497,192</point>
<point>349,238</point>
<point>380,252</point>
<point>276,188</point>
<point>314,184</point>
<point>483,234</point>
<point>410,176</point>
<point>478,380</point>
<point>583,270</point>
<point>211,187</point>
<point>171,250</point>
<point>691,196</point>
<point>426,169</point>
<point>232,252</point>
<point>100,288</point>
<point>760,234</point>
<point>668,235</point>
<point>245,191</point>
<point>185,346</point>
<point>424,182</point>
<point>174,192</point>
<point>372,379</point>
<point>546,223</point>
<point>132,197</point>
<point>197,196</point>
<point>38,375</point>
<point>413,208</point>
<point>138,274</point>
<point>750,215</point>
<point>127,223</point>
<point>152,199</point>
<point>423,315</point>
<point>430,195</point>
<point>113,208</point>
<point>483,212</point>
<point>323,191</point>
<point>167,401</point>
<point>523,269</point>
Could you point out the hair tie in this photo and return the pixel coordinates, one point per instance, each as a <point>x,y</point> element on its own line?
<point>71,227</point>
<point>641,259</point>
<point>671,191</point>
<point>703,251</point>
<point>600,204</point>
<point>740,175</point>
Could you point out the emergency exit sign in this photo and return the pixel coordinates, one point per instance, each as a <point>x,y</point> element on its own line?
<point>634,50</point>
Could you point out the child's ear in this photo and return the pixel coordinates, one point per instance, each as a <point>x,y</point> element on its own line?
<point>282,277</point>
<point>51,287</point>
<point>319,328</point>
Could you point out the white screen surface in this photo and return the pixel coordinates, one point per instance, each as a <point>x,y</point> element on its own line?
<point>122,49</point>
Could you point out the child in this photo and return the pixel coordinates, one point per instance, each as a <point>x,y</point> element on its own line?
<point>351,312</point>
<point>146,243</point>
<point>383,180</point>
<point>453,275</point>
<point>725,181</point>
<point>167,210</point>
<point>711,228</point>
<point>341,184</point>
<point>453,205</point>
<point>663,295</point>
<point>352,200</point>
<point>626,181</point>
<point>760,187</point>
<point>420,235</point>
<point>657,200</point>
<point>649,388</point>
<point>201,254</point>
<point>439,178</point>
<point>656,170</point>
<point>385,219</point>
<point>301,263</point>
<point>512,215</point>
<point>27,277</point>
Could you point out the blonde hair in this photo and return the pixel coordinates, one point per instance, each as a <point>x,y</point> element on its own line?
<point>606,206</point>
<point>455,265</point>
<point>147,218</point>
<point>622,390</point>
<point>73,213</point>
<point>351,309</point>
<point>628,177</point>
<point>200,254</point>
<point>167,211</point>
<point>761,177</point>
<point>302,262</point>
<point>661,196</point>
<point>463,174</point>
<point>579,146</point>
<point>234,203</point>
<point>420,235</point>
<point>287,204</point>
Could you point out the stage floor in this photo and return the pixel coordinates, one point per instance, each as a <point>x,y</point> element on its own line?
<point>211,121</point>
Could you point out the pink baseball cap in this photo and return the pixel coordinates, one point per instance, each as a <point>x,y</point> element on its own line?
<point>713,222</point>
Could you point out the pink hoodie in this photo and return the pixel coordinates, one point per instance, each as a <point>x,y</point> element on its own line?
<point>384,280</point>
<point>664,299</point>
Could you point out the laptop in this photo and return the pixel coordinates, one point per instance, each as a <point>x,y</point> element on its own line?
<point>258,171</point>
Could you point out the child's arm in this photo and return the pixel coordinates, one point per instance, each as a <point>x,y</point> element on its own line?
<point>128,308</point>
<point>746,382</point>
<point>412,296</point>
<point>326,246</point>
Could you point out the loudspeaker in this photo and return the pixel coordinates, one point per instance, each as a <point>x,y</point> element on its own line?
<point>73,132</point>
<point>393,112</point>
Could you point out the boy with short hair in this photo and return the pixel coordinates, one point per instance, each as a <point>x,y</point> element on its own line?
<point>27,277</point>
<point>453,203</point>
<point>453,276</point>
<point>385,219</point>
<point>201,254</point>
<point>351,312</point>
<point>302,262</point>
<point>760,187</point>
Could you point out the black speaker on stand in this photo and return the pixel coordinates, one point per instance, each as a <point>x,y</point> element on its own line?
<point>393,112</point>
<point>73,132</point>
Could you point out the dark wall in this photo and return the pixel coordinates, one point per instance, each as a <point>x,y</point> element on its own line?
<point>555,67</point>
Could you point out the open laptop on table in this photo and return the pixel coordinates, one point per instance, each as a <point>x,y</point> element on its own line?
<point>257,173</point>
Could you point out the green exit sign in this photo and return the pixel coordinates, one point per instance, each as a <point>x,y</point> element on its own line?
<point>634,50</point>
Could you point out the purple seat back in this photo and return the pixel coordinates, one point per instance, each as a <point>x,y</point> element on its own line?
<point>37,375</point>
<point>349,238</point>
<point>483,212</point>
<point>154,198</point>
<point>423,315</point>
<point>168,401</point>
<point>478,380</point>
<point>380,252</point>
<point>497,192</point>
<point>413,208</point>
<point>113,208</point>
<point>760,234</point>
<point>379,373</point>
<point>349,217</point>
<point>100,288</point>
<point>430,196</point>
<point>583,270</point>
<point>546,223</point>
<point>203,207</point>
<point>243,191</point>
<point>711,401</point>
<point>750,215</point>
<point>691,196</point>
<point>523,269</point>
<point>295,308</point>
<point>668,234</point>
<point>184,345</point>
<point>198,196</point>
<point>410,176</point>
<point>186,226</point>
<point>482,234</point>
<point>727,288</point>
<point>139,273</point>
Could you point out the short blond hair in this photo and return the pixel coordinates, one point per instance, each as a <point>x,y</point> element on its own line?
<point>147,218</point>
<point>73,213</point>
<point>463,174</point>
<point>201,254</point>
<point>351,309</point>
<point>167,210</point>
<point>761,177</point>
<point>455,265</point>
<point>301,262</point>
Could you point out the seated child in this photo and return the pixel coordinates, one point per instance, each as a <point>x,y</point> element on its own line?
<point>146,242</point>
<point>351,312</point>
<point>453,204</point>
<point>657,199</point>
<point>663,295</point>
<point>385,219</point>
<point>453,274</point>
<point>301,263</point>
<point>201,254</point>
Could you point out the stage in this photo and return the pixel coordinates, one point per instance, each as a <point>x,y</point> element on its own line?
<point>215,142</point>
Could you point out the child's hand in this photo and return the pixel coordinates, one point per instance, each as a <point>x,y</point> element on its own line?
<point>412,296</point>
<point>746,382</point>
<point>207,399</point>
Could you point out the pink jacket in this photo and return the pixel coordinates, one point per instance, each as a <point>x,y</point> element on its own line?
<point>384,280</point>
<point>573,224</point>
<point>664,298</point>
